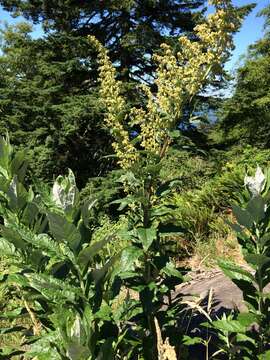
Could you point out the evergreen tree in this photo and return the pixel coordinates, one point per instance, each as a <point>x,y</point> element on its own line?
<point>245,117</point>
<point>131,29</point>
<point>47,103</point>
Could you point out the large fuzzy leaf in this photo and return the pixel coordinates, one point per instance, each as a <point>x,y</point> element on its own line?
<point>5,154</point>
<point>243,217</point>
<point>44,349</point>
<point>52,289</point>
<point>7,248</point>
<point>64,231</point>
<point>65,193</point>
<point>256,208</point>
<point>128,259</point>
<point>77,351</point>
<point>17,195</point>
<point>42,242</point>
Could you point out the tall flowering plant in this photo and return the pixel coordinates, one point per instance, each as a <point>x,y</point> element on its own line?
<point>146,265</point>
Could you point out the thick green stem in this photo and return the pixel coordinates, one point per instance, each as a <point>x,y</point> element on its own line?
<point>148,278</point>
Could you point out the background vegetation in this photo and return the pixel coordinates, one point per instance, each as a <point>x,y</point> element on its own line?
<point>50,107</point>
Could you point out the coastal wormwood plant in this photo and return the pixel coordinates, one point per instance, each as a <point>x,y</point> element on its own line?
<point>142,137</point>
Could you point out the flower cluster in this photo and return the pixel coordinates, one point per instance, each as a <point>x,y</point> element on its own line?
<point>180,76</point>
<point>115,105</point>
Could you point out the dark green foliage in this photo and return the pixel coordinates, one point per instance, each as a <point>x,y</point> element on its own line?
<point>48,106</point>
<point>245,117</point>
<point>132,30</point>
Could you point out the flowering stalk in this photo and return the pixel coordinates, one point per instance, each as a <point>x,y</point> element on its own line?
<point>179,78</point>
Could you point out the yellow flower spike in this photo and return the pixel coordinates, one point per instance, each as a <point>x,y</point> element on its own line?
<point>179,78</point>
<point>110,92</point>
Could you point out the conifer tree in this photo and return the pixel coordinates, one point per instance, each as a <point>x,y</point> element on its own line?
<point>246,115</point>
<point>131,29</point>
<point>47,104</point>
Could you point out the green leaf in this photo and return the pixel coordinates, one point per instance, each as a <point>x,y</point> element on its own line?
<point>232,326</point>
<point>257,259</point>
<point>12,329</point>
<point>77,351</point>
<point>235,272</point>
<point>64,231</point>
<point>104,313</point>
<point>243,338</point>
<point>19,165</point>
<point>8,352</point>
<point>5,154</point>
<point>30,213</point>
<point>160,211</point>
<point>13,314</point>
<point>146,236</point>
<point>41,242</point>
<point>235,227</point>
<point>243,217</point>
<point>126,266</point>
<point>256,207</point>
<point>187,340</point>
<point>99,274</point>
<point>43,348</point>
<point>88,253</point>
<point>124,202</point>
<point>247,319</point>
<point>265,239</point>
<point>7,248</point>
<point>17,195</point>
<point>11,235</point>
<point>265,355</point>
<point>170,270</point>
<point>18,280</point>
<point>52,289</point>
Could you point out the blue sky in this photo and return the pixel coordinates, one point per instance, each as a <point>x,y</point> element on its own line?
<point>251,30</point>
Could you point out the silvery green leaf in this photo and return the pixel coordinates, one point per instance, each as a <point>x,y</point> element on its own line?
<point>64,191</point>
<point>77,352</point>
<point>76,329</point>
<point>256,183</point>
<point>13,192</point>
